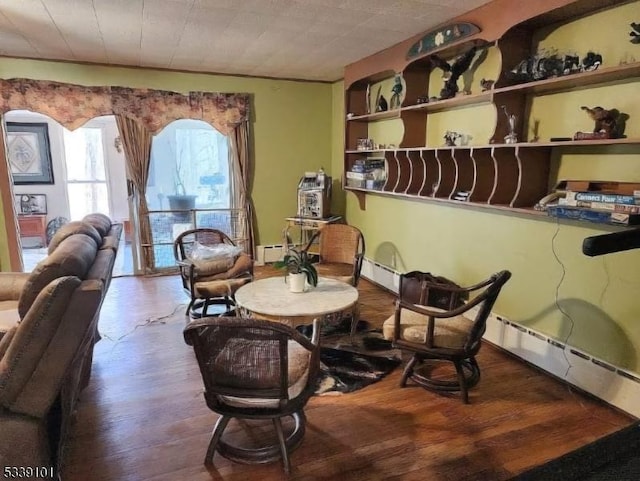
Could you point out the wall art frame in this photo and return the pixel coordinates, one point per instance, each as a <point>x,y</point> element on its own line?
<point>29,153</point>
<point>27,204</point>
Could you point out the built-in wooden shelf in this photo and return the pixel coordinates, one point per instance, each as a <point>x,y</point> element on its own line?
<point>375,116</point>
<point>495,175</point>
<point>527,145</point>
<point>447,104</point>
<point>626,72</point>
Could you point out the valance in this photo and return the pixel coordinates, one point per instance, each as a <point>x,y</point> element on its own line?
<point>73,105</point>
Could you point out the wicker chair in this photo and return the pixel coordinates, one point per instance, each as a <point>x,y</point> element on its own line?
<point>255,369</point>
<point>341,251</point>
<point>210,281</point>
<point>431,333</point>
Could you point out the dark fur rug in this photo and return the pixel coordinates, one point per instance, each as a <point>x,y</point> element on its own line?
<point>346,367</point>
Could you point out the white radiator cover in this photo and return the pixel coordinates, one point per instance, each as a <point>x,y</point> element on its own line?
<point>612,384</point>
<point>266,254</point>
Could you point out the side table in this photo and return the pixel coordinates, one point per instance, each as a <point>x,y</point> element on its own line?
<point>272,300</point>
<point>33,225</point>
<point>307,227</point>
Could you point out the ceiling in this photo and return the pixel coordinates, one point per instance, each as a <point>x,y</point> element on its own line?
<point>295,39</point>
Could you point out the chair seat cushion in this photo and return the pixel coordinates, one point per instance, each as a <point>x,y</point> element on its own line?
<point>242,265</point>
<point>211,267</point>
<point>219,288</point>
<point>451,332</point>
<point>241,356</point>
<point>336,270</point>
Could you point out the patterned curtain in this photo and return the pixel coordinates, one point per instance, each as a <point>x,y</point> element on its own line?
<point>73,105</point>
<point>239,156</point>
<point>140,113</point>
<point>136,143</point>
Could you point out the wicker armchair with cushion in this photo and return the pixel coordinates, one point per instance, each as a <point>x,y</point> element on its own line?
<point>341,251</point>
<point>255,369</point>
<point>212,268</point>
<point>442,334</point>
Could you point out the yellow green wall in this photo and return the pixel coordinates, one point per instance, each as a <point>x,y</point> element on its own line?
<point>291,126</point>
<point>590,303</point>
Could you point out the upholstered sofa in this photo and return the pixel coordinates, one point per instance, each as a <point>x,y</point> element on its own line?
<point>48,327</point>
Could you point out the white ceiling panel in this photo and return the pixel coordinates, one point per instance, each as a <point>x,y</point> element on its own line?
<point>301,39</point>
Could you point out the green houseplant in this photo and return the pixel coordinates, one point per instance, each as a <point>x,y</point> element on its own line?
<point>299,266</point>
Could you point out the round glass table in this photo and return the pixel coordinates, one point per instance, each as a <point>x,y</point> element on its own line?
<point>272,300</point>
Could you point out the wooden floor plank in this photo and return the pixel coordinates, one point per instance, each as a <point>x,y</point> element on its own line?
<point>143,416</point>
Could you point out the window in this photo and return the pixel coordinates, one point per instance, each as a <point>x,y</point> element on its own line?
<point>86,174</point>
<point>189,177</point>
<point>189,157</point>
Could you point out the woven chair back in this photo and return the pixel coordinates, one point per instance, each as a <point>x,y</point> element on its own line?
<point>339,243</point>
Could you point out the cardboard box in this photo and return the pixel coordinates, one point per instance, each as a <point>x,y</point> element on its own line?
<point>601,186</point>
<point>598,216</point>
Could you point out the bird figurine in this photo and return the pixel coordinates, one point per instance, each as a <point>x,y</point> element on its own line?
<point>605,121</point>
<point>396,90</point>
<point>635,32</point>
<point>452,72</point>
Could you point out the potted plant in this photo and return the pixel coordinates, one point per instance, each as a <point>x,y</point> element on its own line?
<point>181,201</point>
<point>299,268</point>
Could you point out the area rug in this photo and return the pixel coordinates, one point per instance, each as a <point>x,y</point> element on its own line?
<point>346,367</point>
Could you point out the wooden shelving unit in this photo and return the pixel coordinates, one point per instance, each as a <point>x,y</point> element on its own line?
<point>508,177</point>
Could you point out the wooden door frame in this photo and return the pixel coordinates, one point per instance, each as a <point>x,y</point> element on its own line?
<point>10,219</point>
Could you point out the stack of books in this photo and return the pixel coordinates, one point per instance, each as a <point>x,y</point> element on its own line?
<point>462,195</point>
<point>601,207</point>
<point>367,173</point>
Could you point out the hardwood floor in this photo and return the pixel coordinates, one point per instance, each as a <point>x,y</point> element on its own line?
<point>143,416</point>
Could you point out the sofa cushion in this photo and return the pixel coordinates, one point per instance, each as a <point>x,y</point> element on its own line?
<point>5,340</point>
<point>102,266</point>
<point>71,228</point>
<point>101,222</point>
<point>8,315</point>
<point>73,257</point>
<point>68,330</point>
<point>33,336</point>
<point>110,242</point>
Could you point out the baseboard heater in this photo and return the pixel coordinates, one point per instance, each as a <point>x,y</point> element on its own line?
<point>614,385</point>
<point>267,254</point>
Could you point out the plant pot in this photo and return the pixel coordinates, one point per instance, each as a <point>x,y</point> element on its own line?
<point>182,202</point>
<point>297,282</point>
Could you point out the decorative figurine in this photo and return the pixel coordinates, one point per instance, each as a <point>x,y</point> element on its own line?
<point>451,73</point>
<point>511,137</point>
<point>605,122</point>
<point>368,98</point>
<point>635,33</point>
<point>450,138</point>
<point>591,61</point>
<point>486,84</point>
<point>571,64</point>
<point>423,99</point>
<point>395,99</point>
<point>382,104</point>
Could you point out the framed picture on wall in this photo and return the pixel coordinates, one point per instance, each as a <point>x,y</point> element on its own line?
<point>29,153</point>
<point>31,203</point>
